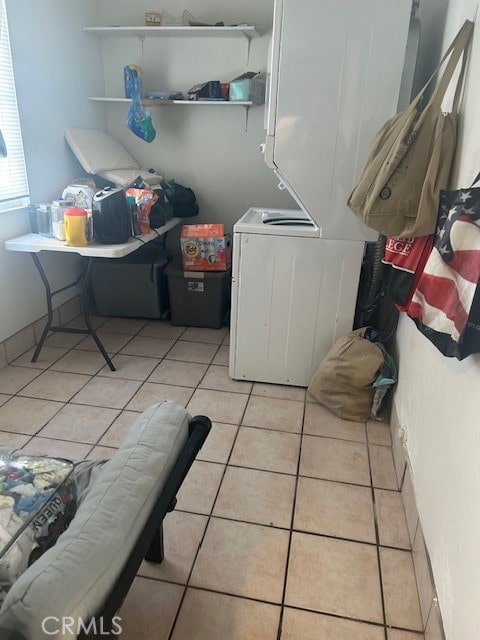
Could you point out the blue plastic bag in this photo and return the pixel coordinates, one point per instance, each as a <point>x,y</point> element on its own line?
<point>139,119</point>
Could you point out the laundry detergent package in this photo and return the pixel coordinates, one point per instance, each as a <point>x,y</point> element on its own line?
<point>38,499</point>
<point>205,247</point>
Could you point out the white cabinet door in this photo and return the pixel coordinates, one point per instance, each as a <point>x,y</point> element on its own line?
<point>337,68</point>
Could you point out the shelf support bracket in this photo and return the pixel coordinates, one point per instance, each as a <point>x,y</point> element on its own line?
<point>141,41</point>
<point>247,54</point>
<point>246,117</point>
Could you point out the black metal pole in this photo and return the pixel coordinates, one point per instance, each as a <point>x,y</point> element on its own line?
<point>48,294</point>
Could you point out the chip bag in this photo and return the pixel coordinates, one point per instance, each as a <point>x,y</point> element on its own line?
<point>144,199</point>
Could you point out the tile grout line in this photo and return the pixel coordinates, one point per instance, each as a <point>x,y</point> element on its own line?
<point>315,534</point>
<point>377,536</point>
<point>276,604</point>
<point>209,515</point>
<point>292,520</point>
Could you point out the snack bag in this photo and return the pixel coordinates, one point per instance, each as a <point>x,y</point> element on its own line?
<point>144,199</point>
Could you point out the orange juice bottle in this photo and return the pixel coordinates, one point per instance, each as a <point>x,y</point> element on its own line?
<point>75,227</point>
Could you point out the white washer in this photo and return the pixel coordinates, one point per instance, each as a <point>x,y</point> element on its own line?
<point>293,295</point>
<point>334,76</point>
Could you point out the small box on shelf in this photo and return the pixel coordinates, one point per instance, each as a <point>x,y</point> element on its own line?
<point>248,87</point>
<point>153,18</point>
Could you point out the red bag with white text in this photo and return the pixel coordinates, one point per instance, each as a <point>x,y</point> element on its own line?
<point>403,264</point>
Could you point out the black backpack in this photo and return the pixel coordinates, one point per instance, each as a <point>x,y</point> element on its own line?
<point>181,198</point>
<point>161,211</point>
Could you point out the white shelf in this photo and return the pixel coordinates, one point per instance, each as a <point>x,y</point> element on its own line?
<point>247,32</point>
<point>155,102</point>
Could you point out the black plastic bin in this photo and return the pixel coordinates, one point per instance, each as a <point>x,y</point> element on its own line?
<point>198,298</point>
<point>134,286</point>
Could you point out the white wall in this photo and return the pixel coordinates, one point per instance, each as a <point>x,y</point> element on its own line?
<point>203,147</point>
<point>56,67</point>
<point>437,403</point>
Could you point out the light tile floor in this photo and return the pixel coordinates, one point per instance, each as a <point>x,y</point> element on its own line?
<point>289,525</point>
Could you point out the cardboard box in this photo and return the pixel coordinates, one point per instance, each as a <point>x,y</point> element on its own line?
<point>153,19</point>
<point>205,247</point>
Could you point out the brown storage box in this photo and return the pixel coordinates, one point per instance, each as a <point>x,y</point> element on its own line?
<point>198,299</point>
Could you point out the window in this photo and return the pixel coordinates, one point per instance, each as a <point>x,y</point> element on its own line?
<point>13,175</point>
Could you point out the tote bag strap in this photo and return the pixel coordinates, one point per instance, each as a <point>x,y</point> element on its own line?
<point>460,45</point>
<point>456,48</point>
<point>458,90</point>
<point>475,181</point>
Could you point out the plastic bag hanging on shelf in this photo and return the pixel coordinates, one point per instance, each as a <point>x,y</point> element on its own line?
<point>139,119</point>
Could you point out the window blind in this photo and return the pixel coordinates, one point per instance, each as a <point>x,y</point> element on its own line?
<point>13,175</point>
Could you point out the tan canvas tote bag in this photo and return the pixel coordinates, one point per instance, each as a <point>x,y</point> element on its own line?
<point>343,381</point>
<point>410,158</point>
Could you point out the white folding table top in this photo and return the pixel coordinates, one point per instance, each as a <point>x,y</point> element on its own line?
<point>34,243</point>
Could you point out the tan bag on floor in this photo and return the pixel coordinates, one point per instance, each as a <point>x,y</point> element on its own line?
<point>410,159</point>
<point>343,382</point>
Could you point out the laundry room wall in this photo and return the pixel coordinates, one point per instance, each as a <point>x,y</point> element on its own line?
<point>437,406</point>
<point>56,67</point>
<point>206,148</point>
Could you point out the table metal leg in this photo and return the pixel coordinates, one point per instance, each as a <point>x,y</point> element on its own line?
<point>84,289</point>
<point>84,284</point>
<point>48,294</point>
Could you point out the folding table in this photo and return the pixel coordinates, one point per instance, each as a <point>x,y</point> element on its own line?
<point>34,244</point>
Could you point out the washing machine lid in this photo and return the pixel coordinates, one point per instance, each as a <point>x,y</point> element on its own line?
<point>286,222</point>
<point>287,218</point>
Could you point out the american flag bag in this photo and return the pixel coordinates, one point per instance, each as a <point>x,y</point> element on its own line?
<point>446,302</point>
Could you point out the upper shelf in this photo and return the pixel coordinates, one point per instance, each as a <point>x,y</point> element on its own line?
<point>247,32</point>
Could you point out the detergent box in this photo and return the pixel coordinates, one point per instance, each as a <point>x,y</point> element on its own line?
<point>205,247</point>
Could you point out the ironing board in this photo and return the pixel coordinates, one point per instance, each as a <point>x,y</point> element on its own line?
<point>34,244</point>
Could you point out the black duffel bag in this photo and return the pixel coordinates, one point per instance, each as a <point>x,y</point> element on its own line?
<point>181,198</point>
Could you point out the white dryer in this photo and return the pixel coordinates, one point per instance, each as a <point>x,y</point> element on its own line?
<point>293,295</point>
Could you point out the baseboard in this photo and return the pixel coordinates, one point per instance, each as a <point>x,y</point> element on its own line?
<point>27,338</point>
<point>431,617</point>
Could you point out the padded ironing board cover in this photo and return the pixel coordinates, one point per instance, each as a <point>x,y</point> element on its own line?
<point>99,153</point>
<point>37,502</point>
